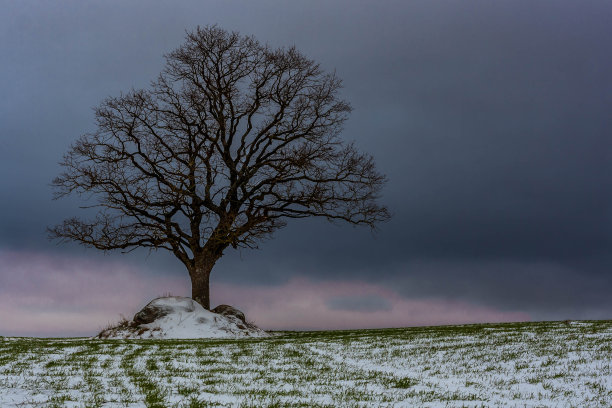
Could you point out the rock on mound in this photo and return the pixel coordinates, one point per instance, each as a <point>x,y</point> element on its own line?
<point>177,317</point>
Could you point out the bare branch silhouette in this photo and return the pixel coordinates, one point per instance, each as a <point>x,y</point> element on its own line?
<point>231,140</point>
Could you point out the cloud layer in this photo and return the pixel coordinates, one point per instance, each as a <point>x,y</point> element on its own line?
<point>491,120</point>
<point>48,295</point>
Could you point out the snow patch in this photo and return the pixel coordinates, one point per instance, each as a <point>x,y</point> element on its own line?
<point>182,318</point>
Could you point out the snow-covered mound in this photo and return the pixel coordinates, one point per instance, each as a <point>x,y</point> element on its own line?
<point>177,317</point>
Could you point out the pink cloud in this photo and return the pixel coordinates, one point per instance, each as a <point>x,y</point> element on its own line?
<point>43,294</point>
<point>49,295</point>
<point>302,304</point>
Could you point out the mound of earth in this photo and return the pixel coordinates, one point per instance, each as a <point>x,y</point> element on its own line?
<point>176,317</point>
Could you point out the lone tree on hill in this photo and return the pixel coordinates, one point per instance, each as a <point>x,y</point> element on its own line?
<point>230,141</point>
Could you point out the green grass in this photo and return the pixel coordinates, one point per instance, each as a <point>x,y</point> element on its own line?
<point>519,364</point>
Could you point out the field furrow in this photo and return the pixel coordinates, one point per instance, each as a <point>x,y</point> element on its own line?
<point>552,364</point>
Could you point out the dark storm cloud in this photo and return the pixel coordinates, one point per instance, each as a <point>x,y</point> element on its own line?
<point>491,119</point>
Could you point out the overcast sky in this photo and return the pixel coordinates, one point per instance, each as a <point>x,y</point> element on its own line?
<point>492,121</point>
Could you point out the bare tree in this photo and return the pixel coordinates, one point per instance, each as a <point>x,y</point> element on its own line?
<point>230,141</point>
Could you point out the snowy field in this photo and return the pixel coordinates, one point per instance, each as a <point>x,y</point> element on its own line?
<point>518,365</point>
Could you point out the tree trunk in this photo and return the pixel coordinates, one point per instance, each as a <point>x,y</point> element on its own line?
<point>200,277</point>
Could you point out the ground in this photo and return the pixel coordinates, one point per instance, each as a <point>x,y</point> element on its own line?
<point>553,364</point>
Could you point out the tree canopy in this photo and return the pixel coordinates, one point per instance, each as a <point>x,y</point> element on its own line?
<point>229,142</point>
